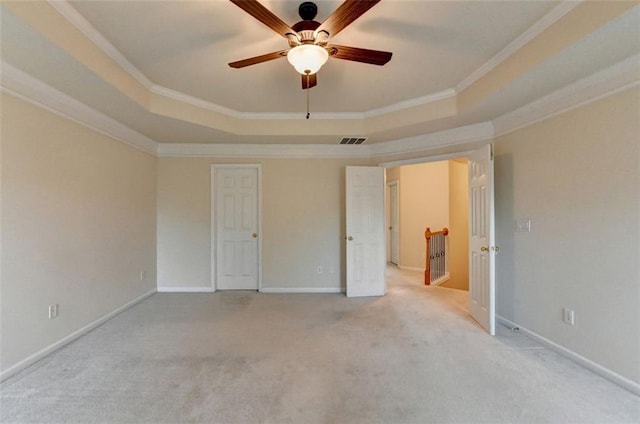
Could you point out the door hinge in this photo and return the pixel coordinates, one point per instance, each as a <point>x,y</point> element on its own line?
<point>491,150</point>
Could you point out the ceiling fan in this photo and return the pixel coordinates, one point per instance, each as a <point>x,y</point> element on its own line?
<point>308,39</point>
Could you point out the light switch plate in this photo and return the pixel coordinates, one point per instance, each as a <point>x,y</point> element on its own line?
<point>523,225</point>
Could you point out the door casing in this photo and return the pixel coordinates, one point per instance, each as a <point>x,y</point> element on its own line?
<point>454,155</point>
<point>214,168</point>
<point>394,234</point>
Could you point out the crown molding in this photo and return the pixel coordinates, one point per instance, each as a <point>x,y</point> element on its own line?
<point>89,31</point>
<point>453,137</point>
<point>32,90</point>
<point>536,29</point>
<point>407,104</point>
<point>203,104</point>
<point>482,131</point>
<point>78,21</point>
<point>274,151</point>
<point>193,101</point>
<point>619,77</point>
<point>396,107</point>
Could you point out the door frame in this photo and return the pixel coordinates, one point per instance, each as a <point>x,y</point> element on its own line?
<point>212,259</point>
<point>395,183</point>
<point>436,158</point>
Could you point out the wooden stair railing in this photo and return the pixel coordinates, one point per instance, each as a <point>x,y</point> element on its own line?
<point>435,258</point>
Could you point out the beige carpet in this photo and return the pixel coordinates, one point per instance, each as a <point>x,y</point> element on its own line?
<point>413,356</point>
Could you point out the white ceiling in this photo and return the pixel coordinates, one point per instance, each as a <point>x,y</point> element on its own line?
<point>185,46</point>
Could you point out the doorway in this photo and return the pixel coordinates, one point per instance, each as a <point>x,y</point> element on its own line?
<point>481,237</point>
<point>431,195</point>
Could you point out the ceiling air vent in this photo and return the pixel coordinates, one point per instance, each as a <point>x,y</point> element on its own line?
<point>353,140</point>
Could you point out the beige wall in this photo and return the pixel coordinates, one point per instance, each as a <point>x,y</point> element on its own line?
<point>459,225</point>
<point>78,226</point>
<point>577,177</point>
<point>79,223</point>
<point>302,218</point>
<point>424,202</point>
<point>435,195</point>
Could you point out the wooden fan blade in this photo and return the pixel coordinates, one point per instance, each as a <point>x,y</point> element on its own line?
<point>264,15</point>
<point>258,59</point>
<point>356,54</point>
<point>312,81</point>
<point>344,15</point>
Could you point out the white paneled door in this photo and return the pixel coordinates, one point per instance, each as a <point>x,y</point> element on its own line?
<point>481,239</point>
<point>236,232</point>
<point>365,237</point>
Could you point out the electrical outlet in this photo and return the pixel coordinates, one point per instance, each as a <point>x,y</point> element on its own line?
<point>319,269</point>
<point>568,316</point>
<point>143,274</point>
<point>53,311</point>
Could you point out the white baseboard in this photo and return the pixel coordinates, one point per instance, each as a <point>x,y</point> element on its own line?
<point>301,290</point>
<point>174,289</point>
<point>596,368</point>
<point>410,268</point>
<point>441,280</point>
<point>68,339</point>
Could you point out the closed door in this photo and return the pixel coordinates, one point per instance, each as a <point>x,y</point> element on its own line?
<point>365,236</point>
<point>481,239</point>
<point>236,234</point>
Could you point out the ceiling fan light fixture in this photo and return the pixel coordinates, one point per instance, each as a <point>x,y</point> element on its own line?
<point>307,58</point>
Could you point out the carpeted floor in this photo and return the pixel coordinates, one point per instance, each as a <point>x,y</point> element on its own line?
<point>412,356</point>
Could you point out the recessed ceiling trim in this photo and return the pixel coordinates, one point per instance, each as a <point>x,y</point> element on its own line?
<point>534,30</point>
<point>396,107</point>
<point>17,83</point>
<point>195,101</point>
<point>569,29</point>
<point>275,151</point>
<point>43,17</point>
<point>411,103</point>
<point>482,131</point>
<point>619,77</point>
<point>78,21</point>
<point>453,137</point>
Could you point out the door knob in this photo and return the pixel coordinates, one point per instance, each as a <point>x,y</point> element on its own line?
<point>349,238</point>
<point>484,249</point>
<point>254,235</point>
<point>495,249</point>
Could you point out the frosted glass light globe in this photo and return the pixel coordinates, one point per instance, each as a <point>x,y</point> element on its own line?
<point>307,58</point>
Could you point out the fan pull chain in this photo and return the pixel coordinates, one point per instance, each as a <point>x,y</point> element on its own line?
<point>308,89</point>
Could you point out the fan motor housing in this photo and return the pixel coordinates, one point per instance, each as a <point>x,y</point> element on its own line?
<point>305,26</point>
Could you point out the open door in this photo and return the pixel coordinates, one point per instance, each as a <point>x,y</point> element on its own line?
<point>365,236</point>
<point>482,239</point>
